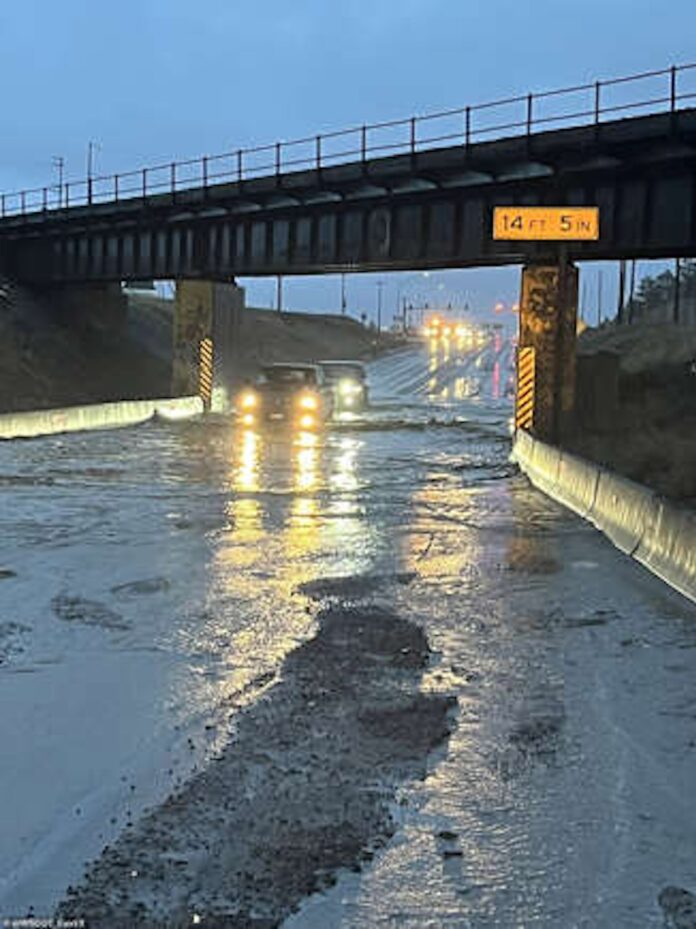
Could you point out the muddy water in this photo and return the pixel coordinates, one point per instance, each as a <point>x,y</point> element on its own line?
<point>158,578</point>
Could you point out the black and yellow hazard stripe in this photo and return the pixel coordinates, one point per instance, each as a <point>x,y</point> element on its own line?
<point>205,371</point>
<point>524,406</point>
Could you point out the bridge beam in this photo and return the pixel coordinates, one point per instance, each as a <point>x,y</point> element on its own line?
<point>205,352</point>
<point>546,349</point>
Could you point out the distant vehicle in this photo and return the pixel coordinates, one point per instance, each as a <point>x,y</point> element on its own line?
<point>348,380</point>
<point>292,393</point>
<point>435,329</point>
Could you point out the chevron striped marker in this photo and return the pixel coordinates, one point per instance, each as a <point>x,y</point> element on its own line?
<point>205,371</point>
<point>524,407</point>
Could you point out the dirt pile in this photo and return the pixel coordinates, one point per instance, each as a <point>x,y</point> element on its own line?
<point>642,422</point>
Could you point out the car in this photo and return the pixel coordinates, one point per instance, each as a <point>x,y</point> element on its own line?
<point>348,380</point>
<point>296,394</point>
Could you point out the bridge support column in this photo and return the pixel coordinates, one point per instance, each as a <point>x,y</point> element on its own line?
<point>207,318</point>
<point>546,351</point>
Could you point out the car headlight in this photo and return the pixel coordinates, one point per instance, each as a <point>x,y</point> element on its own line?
<point>308,402</point>
<point>349,388</point>
<point>248,400</point>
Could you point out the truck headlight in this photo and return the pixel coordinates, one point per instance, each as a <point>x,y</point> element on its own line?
<point>349,388</point>
<point>308,402</point>
<point>248,400</point>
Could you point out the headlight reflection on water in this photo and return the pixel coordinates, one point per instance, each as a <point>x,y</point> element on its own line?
<point>305,461</point>
<point>247,467</point>
<point>343,476</point>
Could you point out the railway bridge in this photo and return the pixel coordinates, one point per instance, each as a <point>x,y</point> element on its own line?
<point>417,193</point>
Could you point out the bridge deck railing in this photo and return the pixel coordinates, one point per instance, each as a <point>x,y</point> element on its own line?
<point>668,89</point>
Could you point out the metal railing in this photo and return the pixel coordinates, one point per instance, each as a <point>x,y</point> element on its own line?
<point>523,115</point>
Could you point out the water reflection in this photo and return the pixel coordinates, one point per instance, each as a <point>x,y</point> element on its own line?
<point>305,461</point>
<point>292,508</point>
<point>343,476</point>
<point>246,471</point>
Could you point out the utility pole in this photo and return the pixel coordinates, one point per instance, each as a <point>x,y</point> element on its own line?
<point>59,164</point>
<point>632,289</point>
<point>622,291</point>
<point>380,285</point>
<point>677,290</point>
<point>582,309</point>
<point>279,293</point>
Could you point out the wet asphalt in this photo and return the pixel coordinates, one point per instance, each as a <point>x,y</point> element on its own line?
<point>156,583</point>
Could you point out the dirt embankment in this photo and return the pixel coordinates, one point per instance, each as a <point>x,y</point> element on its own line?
<point>267,336</point>
<point>48,362</point>
<point>637,404</point>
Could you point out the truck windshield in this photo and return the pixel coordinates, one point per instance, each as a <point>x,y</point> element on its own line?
<point>289,376</point>
<point>343,372</point>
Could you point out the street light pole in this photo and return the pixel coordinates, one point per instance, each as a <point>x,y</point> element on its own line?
<point>91,149</point>
<point>59,164</point>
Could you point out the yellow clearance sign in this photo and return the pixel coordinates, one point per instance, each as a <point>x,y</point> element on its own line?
<point>546,223</point>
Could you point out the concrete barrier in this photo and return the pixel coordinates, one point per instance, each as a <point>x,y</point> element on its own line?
<point>576,483</point>
<point>179,407</point>
<point>668,549</point>
<point>657,533</point>
<point>95,416</point>
<point>623,510</point>
<point>546,462</point>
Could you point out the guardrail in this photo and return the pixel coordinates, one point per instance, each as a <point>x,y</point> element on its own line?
<point>522,115</point>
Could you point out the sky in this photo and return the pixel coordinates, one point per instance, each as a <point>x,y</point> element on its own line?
<point>157,80</point>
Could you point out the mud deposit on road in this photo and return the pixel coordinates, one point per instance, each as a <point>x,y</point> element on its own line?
<point>305,787</point>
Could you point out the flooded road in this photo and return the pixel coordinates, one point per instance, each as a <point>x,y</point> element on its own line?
<point>165,586</point>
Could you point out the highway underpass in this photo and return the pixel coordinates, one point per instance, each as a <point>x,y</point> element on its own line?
<point>165,577</point>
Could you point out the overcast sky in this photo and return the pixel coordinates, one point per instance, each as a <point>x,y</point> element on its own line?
<point>153,80</point>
